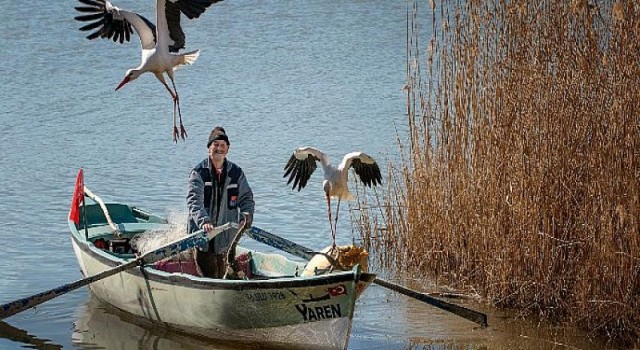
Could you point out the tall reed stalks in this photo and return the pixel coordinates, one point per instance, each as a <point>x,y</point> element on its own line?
<point>521,176</point>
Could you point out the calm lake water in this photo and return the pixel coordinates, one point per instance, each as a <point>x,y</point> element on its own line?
<point>277,75</point>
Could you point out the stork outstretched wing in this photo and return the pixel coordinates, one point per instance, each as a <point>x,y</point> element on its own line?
<point>301,164</point>
<point>192,9</point>
<point>365,167</point>
<point>114,23</point>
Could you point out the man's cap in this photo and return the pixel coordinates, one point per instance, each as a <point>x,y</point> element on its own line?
<point>218,133</point>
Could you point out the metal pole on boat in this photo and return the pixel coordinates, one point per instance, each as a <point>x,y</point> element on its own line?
<point>98,200</point>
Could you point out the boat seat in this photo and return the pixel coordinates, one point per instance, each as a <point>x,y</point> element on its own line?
<point>118,213</point>
<point>136,227</point>
<point>129,229</point>
<point>271,265</point>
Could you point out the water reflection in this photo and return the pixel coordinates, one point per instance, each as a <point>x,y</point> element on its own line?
<point>100,326</point>
<point>18,335</point>
<point>384,320</point>
<point>388,320</point>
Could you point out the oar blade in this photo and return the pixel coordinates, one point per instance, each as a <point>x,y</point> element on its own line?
<point>197,239</point>
<point>461,311</point>
<point>298,250</point>
<point>17,306</point>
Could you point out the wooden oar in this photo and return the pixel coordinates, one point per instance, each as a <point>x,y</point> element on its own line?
<point>298,250</point>
<point>197,239</point>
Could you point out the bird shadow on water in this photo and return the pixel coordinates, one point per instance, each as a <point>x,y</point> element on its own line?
<point>18,335</point>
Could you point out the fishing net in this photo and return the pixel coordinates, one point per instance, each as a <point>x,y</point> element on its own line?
<point>153,239</point>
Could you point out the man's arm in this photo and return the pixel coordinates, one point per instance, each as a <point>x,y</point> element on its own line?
<point>195,200</point>
<point>246,204</point>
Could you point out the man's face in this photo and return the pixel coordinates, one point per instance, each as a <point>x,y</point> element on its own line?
<point>218,150</point>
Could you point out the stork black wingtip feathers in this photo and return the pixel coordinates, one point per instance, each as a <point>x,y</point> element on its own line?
<point>378,175</point>
<point>194,8</point>
<point>96,3</point>
<point>94,35</point>
<point>289,167</point>
<point>92,17</point>
<point>304,174</point>
<point>291,177</point>
<point>299,170</point>
<point>296,181</point>
<point>87,9</point>
<point>93,25</point>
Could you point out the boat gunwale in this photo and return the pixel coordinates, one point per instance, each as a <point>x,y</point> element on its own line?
<point>191,281</point>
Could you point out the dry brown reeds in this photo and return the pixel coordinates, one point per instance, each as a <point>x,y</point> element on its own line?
<point>521,176</point>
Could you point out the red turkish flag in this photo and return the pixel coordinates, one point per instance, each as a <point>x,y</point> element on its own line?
<point>337,290</point>
<point>78,198</point>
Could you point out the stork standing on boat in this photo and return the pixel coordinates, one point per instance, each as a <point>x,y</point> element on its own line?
<point>160,44</point>
<point>303,162</point>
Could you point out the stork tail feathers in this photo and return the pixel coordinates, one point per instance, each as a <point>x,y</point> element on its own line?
<point>189,57</point>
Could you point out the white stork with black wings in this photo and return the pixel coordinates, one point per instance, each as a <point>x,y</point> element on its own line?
<point>303,162</point>
<point>160,44</point>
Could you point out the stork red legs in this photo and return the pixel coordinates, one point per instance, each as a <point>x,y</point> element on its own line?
<point>160,45</point>
<point>176,105</point>
<point>303,162</point>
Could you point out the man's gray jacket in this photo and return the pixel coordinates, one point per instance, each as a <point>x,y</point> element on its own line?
<point>218,201</point>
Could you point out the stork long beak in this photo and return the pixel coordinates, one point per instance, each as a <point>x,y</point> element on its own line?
<point>123,82</point>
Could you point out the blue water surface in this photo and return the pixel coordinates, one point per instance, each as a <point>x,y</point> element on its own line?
<point>276,74</point>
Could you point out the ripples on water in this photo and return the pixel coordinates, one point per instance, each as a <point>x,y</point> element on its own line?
<point>277,74</point>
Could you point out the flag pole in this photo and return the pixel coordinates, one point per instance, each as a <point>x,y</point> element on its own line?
<point>84,217</point>
<point>84,210</point>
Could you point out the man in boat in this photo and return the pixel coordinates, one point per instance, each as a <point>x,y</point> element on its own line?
<point>218,193</point>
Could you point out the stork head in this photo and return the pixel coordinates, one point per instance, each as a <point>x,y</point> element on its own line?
<point>132,74</point>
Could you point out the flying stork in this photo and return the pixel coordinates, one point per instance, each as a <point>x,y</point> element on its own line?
<point>160,44</point>
<point>303,162</point>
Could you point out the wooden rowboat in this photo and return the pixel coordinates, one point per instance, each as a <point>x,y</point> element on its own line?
<point>275,307</point>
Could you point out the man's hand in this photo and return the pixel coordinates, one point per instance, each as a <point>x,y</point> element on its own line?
<point>208,227</point>
<point>248,220</point>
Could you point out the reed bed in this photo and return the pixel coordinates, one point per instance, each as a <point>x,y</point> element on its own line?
<point>520,176</point>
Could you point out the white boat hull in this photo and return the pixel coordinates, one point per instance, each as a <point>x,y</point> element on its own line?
<point>309,312</point>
